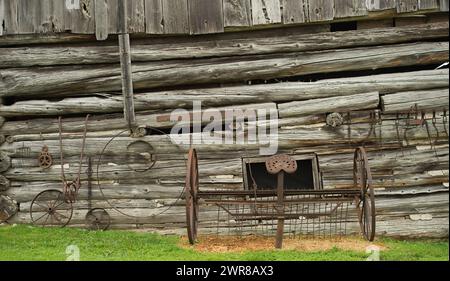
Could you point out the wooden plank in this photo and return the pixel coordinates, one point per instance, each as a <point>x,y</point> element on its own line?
<point>443,4</point>
<point>320,10</point>
<point>81,18</point>
<point>101,19</point>
<point>11,23</point>
<point>293,11</point>
<point>175,16</point>
<point>28,14</point>
<point>407,6</point>
<point>2,17</point>
<point>113,16</point>
<point>205,16</point>
<point>51,16</point>
<point>266,12</point>
<point>154,17</point>
<point>136,16</point>
<point>237,13</point>
<point>349,8</point>
<point>428,4</point>
<point>379,5</point>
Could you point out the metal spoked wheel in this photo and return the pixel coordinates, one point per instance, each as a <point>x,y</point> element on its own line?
<point>362,178</point>
<point>49,208</point>
<point>191,196</point>
<point>98,219</point>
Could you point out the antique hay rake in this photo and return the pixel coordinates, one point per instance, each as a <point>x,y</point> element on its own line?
<point>280,208</point>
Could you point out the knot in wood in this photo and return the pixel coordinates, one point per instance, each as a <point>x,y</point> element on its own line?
<point>282,162</point>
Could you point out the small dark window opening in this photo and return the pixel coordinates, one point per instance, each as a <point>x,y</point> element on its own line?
<point>305,178</point>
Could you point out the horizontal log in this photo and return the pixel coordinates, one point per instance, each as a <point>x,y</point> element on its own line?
<point>422,100</point>
<point>53,81</point>
<point>67,55</point>
<point>211,97</point>
<point>333,104</point>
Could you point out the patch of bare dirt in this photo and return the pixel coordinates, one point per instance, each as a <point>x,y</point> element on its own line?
<point>221,244</point>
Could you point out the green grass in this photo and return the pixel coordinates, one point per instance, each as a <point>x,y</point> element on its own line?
<point>25,243</point>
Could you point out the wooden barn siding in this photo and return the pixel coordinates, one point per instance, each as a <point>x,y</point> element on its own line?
<point>188,16</point>
<point>410,176</point>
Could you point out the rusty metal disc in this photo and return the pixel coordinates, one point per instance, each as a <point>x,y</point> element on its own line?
<point>191,196</point>
<point>282,162</point>
<point>362,178</point>
<point>98,219</point>
<point>45,159</point>
<point>49,208</point>
<point>8,208</point>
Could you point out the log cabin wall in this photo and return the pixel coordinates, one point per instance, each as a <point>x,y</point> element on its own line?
<point>378,64</point>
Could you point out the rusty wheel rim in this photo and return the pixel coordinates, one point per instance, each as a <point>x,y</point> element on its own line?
<point>98,219</point>
<point>49,208</point>
<point>191,196</point>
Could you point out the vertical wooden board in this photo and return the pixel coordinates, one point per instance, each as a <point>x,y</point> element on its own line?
<point>10,17</point>
<point>320,10</point>
<point>113,16</point>
<point>237,13</point>
<point>101,19</point>
<point>443,5</point>
<point>293,11</point>
<point>428,4</point>
<point>136,16</point>
<point>205,16</point>
<point>175,16</point>
<point>349,8</point>
<point>51,16</point>
<point>2,17</point>
<point>154,17</point>
<point>28,16</point>
<point>379,5</point>
<point>407,6</point>
<point>266,11</point>
<point>80,18</point>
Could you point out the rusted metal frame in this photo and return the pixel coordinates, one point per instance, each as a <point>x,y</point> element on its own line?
<point>280,209</point>
<point>274,202</point>
<point>273,192</point>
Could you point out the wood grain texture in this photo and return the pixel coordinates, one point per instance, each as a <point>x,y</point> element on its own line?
<point>10,17</point>
<point>266,12</point>
<point>444,5</point>
<point>428,4</point>
<point>154,17</point>
<point>28,16</point>
<point>2,17</point>
<point>136,16</point>
<point>237,13</point>
<point>176,16</point>
<point>349,8</point>
<point>407,6</point>
<point>101,19</point>
<point>82,19</point>
<point>205,16</point>
<point>51,18</point>
<point>294,11</point>
<point>378,5</point>
<point>320,10</point>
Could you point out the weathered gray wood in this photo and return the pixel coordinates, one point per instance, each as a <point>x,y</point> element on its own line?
<point>320,10</point>
<point>424,100</point>
<point>51,17</point>
<point>371,24</point>
<point>28,16</point>
<point>266,12</point>
<point>2,18</point>
<point>349,8</point>
<point>406,6</point>
<point>334,104</point>
<point>444,6</point>
<point>377,5</point>
<point>206,16</point>
<point>5,162</point>
<point>176,16</point>
<point>113,16</point>
<point>237,13</point>
<point>154,17</point>
<point>4,183</point>
<point>294,11</point>
<point>11,17</point>
<point>208,47</point>
<point>136,16</point>
<point>82,19</point>
<point>92,79</point>
<point>101,19</point>
<point>428,4</point>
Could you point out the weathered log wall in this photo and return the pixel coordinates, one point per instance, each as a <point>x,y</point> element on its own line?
<point>385,86</point>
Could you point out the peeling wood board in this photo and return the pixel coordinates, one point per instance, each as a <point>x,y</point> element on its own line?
<point>379,5</point>
<point>51,18</point>
<point>266,12</point>
<point>101,19</point>
<point>349,8</point>
<point>154,17</point>
<point>407,6</point>
<point>136,16</point>
<point>80,19</point>
<point>237,13</point>
<point>175,16</point>
<point>320,10</point>
<point>294,11</point>
<point>205,16</point>
<point>428,4</point>
<point>443,4</point>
